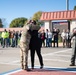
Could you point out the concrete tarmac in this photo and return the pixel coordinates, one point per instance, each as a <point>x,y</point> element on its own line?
<point>52,58</point>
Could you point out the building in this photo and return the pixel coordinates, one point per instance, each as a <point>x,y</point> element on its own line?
<point>69,16</point>
<point>11,29</point>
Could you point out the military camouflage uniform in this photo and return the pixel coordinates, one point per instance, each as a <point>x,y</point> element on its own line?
<point>73,57</point>
<point>24,44</point>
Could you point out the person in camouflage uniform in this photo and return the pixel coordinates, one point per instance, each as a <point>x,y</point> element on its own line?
<point>73,57</point>
<point>24,43</point>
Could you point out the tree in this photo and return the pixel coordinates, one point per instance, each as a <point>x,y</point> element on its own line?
<point>18,22</point>
<point>1,25</point>
<point>36,17</point>
<point>74,7</point>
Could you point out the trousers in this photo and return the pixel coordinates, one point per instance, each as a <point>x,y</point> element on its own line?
<point>24,55</point>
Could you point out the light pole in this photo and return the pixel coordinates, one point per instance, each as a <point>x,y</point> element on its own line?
<point>67,8</point>
<point>67,4</point>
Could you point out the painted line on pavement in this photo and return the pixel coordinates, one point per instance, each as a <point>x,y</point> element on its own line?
<point>73,70</point>
<point>56,52</point>
<point>11,72</point>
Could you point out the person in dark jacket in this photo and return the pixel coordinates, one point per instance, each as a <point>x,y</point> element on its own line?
<point>55,36</point>
<point>35,45</point>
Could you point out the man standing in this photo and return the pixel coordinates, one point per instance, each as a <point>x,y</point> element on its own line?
<point>63,35</point>
<point>55,36</point>
<point>73,48</point>
<point>5,36</point>
<point>68,39</point>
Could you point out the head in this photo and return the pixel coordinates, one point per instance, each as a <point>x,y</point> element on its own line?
<point>67,30</point>
<point>5,30</point>
<point>63,30</point>
<point>43,30</point>
<point>33,22</point>
<point>47,30</point>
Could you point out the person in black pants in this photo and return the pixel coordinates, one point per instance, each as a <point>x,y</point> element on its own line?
<point>35,45</point>
<point>55,35</point>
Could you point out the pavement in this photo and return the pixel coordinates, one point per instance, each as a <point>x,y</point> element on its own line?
<point>56,62</point>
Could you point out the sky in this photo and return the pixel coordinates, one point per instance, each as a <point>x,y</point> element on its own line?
<point>11,9</point>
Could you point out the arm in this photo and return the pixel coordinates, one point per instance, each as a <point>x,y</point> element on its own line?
<point>72,35</point>
<point>34,27</point>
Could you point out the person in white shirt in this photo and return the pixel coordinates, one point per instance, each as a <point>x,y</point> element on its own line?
<point>50,38</point>
<point>63,35</point>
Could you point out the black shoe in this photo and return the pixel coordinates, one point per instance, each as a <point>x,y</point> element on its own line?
<point>41,67</point>
<point>3,46</point>
<point>22,67</point>
<point>32,67</point>
<point>28,69</point>
<point>72,64</point>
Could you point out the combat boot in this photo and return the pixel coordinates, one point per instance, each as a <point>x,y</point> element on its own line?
<point>72,64</point>
<point>22,65</point>
<point>26,68</point>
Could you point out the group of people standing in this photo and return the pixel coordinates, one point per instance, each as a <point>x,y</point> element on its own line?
<point>52,37</point>
<point>48,37</point>
<point>9,38</point>
<point>66,38</point>
<point>30,40</point>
